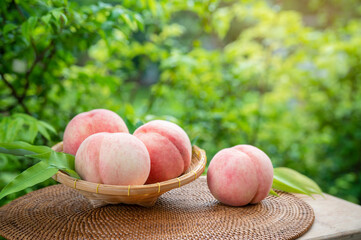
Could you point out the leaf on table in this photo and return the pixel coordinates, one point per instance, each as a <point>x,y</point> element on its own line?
<point>272,192</point>
<point>22,148</point>
<point>289,180</point>
<point>31,176</point>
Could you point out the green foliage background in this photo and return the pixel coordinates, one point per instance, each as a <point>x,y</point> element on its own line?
<point>280,75</point>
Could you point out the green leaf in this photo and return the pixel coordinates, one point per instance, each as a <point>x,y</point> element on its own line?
<point>9,27</point>
<point>46,18</point>
<point>139,21</point>
<point>59,17</point>
<point>32,132</point>
<point>71,173</point>
<point>13,129</point>
<point>22,148</point>
<point>47,126</point>
<point>194,140</point>
<point>103,5</point>
<point>24,116</point>
<point>43,132</point>
<point>32,22</point>
<point>289,180</point>
<point>43,128</point>
<point>28,26</point>
<point>31,176</point>
<point>131,127</point>
<point>138,124</point>
<point>35,126</point>
<point>7,176</point>
<point>3,129</point>
<point>117,12</point>
<point>128,19</point>
<point>50,162</point>
<point>152,6</point>
<point>272,192</point>
<point>59,160</point>
<point>57,13</point>
<point>65,19</point>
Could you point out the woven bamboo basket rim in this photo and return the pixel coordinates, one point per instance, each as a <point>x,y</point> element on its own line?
<point>195,170</point>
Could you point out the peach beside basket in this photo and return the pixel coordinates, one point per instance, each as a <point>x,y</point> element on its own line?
<point>144,195</point>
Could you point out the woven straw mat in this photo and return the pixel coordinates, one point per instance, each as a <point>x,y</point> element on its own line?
<point>189,212</point>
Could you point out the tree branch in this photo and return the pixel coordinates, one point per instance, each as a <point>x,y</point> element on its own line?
<point>27,80</point>
<point>14,94</point>
<point>46,65</point>
<point>7,83</point>
<point>38,58</point>
<point>8,109</point>
<point>52,53</point>
<point>3,17</point>
<point>34,46</point>
<point>18,9</point>
<point>262,89</point>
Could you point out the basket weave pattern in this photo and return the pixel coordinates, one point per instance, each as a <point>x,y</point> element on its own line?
<point>144,195</point>
<point>189,212</point>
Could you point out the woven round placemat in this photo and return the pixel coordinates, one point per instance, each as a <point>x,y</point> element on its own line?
<point>189,212</point>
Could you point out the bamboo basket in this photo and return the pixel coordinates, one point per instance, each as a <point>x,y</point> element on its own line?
<point>144,195</point>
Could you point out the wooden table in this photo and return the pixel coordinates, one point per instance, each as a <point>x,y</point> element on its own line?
<point>334,218</point>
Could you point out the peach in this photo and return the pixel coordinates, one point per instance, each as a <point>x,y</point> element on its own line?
<point>169,148</point>
<point>113,158</point>
<point>240,175</point>
<point>88,123</point>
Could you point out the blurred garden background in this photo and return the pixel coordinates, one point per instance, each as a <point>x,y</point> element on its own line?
<point>284,76</point>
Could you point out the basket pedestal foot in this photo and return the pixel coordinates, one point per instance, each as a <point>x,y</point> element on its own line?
<point>97,203</point>
<point>149,202</point>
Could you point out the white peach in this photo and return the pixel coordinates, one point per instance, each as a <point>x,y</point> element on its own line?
<point>240,175</point>
<point>169,148</point>
<point>88,123</point>
<point>113,158</point>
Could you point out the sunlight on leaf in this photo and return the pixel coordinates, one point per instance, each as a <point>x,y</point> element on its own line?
<point>289,180</point>
<point>50,162</point>
<point>22,148</point>
<point>59,160</point>
<point>31,176</point>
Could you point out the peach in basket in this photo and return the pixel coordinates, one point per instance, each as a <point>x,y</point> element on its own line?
<point>144,195</point>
